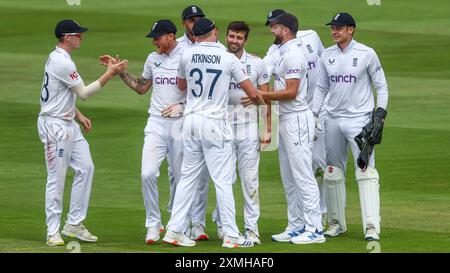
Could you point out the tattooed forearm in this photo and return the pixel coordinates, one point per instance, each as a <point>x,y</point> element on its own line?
<point>137,84</point>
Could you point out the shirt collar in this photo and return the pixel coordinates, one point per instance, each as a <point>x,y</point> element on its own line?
<point>244,56</point>
<point>348,47</point>
<point>62,50</point>
<point>215,44</point>
<point>186,38</point>
<point>299,38</point>
<point>285,47</point>
<point>174,50</point>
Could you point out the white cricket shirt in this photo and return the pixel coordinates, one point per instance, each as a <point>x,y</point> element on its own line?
<point>162,69</point>
<point>311,45</point>
<point>347,77</point>
<point>256,71</point>
<point>208,70</point>
<point>57,100</point>
<point>292,65</point>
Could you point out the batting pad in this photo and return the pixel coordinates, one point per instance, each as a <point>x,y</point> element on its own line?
<point>369,196</point>
<point>334,182</point>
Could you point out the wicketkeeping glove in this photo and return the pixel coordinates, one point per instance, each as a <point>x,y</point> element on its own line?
<point>378,118</point>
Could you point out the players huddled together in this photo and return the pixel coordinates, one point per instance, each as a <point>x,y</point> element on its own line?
<point>206,99</point>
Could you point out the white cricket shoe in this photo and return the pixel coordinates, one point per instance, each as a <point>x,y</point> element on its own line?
<point>334,229</point>
<point>252,236</point>
<point>198,233</point>
<point>178,239</point>
<point>286,236</point>
<point>55,240</point>
<point>371,234</point>
<point>79,232</point>
<point>309,237</point>
<point>231,242</point>
<point>152,235</point>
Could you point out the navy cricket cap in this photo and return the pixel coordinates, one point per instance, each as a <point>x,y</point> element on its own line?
<point>192,11</point>
<point>68,26</point>
<point>274,14</point>
<point>288,20</point>
<point>342,19</point>
<point>203,26</point>
<point>161,27</point>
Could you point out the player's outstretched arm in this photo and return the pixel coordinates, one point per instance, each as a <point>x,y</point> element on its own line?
<point>85,122</point>
<point>289,93</point>
<point>140,85</point>
<point>113,69</point>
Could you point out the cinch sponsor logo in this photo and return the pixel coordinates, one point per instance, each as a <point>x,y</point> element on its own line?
<point>235,86</point>
<point>292,71</point>
<point>277,78</point>
<point>343,78</point>
<point>165,80</point>
<point>311,65</point>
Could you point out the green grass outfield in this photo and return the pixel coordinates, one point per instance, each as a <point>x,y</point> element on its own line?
<point>412,39</point>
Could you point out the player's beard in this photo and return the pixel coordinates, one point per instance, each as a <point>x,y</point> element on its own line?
<point>189,33</point>
<point>277,40</point>
<point>234,49</point>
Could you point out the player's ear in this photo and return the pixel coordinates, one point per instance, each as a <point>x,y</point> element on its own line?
<point>351,29</point>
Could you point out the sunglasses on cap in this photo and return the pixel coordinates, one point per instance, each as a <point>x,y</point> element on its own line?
<point>73,34</point>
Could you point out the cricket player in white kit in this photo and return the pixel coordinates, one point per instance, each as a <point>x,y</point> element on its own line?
<point>296,131</point>
<point>164,125</point>
<point>196,218</point>
<point>311,45</point>
<point>346,74</point>
<point>244,124</point>
<point>205,73</point>
<point>63,141</point>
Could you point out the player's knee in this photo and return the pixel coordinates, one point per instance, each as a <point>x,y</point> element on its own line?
<point>333,174</point>
<point>370,174</point>
<point>87,168</point>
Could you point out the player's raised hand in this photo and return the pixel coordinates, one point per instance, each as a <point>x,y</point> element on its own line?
<point>106,59</point>
<point>117,68</point>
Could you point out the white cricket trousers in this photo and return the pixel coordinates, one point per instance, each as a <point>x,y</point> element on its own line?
<point>64,147</point>
<point>246,152</point>
<point>295,155</point>
<point>163,137</point>
<point>198,211</point>
<point>339,134</point>
<point>206,141</point>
